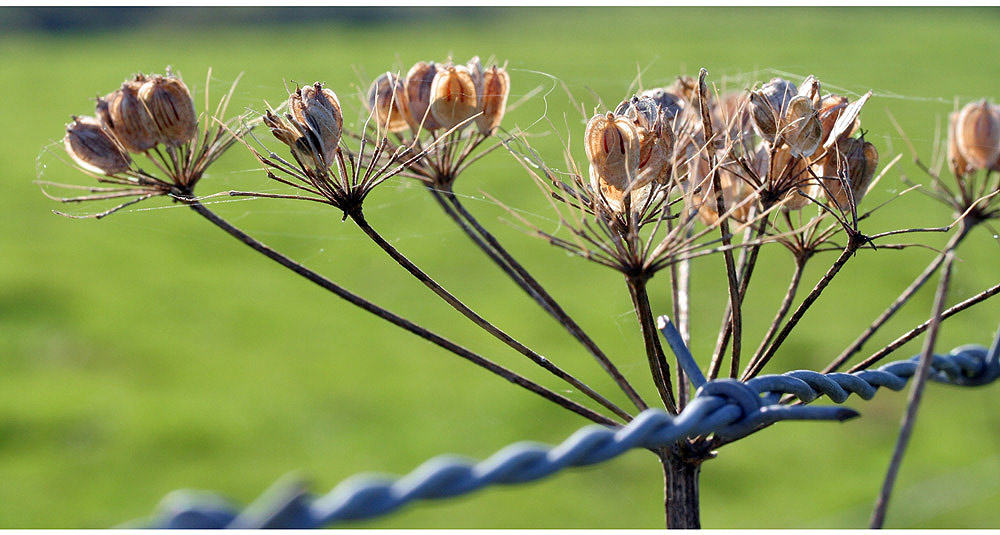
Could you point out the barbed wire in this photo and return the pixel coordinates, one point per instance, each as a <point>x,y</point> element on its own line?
<point>726,407</point>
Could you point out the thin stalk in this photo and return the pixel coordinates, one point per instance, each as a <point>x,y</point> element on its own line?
<point>395,319</point>
<point>786,304</point>
<point>913,333</point>
<point>651,339</point>
<point>755,366</point>
<point>358,217</point>
<point>681,501</point>
<point>963,231</point>
<point>916,395</point>
<point>679,282</point>
<point>489,244</point>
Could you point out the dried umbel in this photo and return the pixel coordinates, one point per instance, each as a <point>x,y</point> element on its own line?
<point>612,145</point>
<point>768,106</point>
<point>317,115</point>
<point>454,95</point>
<point>419,81</point>
<point>170,105</point>
<point>492,101</point>
<point>124,115</point>
<point>854,162</point>
<point>654,134</point>
<point>93,148</point>
<point>976,133</point>
<point>387,100</point>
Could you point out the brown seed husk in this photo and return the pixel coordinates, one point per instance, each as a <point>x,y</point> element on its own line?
<point>977,130</point>
<point>959,166</point>
<point>171,108</point>
<point>493,99</point>
<point>802,129</point>
<point>387,98</point>
<point>318,110</point>
<point>853,160</point>
<point>419,81</point>
<point>453,96</point>
<point>612,146</point>
<point>763,116</point>
<point>93,148</point>
<point>794,171</point>
<point>124,115</point>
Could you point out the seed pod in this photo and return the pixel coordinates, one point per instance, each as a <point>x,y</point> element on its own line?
<point>612,146</point>
<point>453,96</point>
<point>829,111</point>
<point>286,132</point>
<point>801,129</point>
<point>977,130</point>
<point>387,98</point>
<point>171,108</point>
<point>418,94</point>
<point>779,93</point>
<point>810,89</point>
<point>956,160</point>
<point>854,161</point>
<point>654,135</point>
<point>670,104</point>
<point>476,72</point>
<point>93,148</point>
<point>794,173</point>
<point>847,121</point>
<point>124,115</point>
<point>763,116</point>
<point>318,111</point>
<point>493,99</point>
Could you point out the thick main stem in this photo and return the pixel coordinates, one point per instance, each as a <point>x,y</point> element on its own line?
<point>395,319</point>
<point>359,219</point>
<point>681,502</point>
<point>658,365</point>
<point>496,252</point>
<point>917,283</point>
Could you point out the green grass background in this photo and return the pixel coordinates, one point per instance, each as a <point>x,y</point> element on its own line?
<point>149,352</point>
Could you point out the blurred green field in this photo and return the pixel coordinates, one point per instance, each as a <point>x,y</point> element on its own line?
<point>149,352</point>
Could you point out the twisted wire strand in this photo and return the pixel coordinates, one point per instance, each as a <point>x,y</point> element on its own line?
<point>726,407</point>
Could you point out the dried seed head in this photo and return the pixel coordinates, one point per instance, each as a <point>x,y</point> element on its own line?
<point>93,148</point>
<point>612,146</point>
<point>418,94</point>
<point>977,130</point>
<point>171,108</point>
<point>778,92</point>
<point>124,115</point>
<point>387,98</point>
<point>801,128</point>
<point>829,111</point>
<point>855,160</point>
<point>763,116</point>
<point>671,105</point>
<point>453,96</point>
<point>493,99</point>
<point>959,166</point>
<point>810,89</point>
<point>318,114</point>
<point>654,135</point>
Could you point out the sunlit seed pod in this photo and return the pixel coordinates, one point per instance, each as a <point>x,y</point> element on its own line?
<point>794,171</point>
<point>126,117</point>
<point>810,89</point>
<point>856,161</point>
<point>670,104</point>
<point>763,116</point>
<point>281,129</point>
<point>475,68</point>
<point>419,81</point>
<point>493,99</point>
<point>778,93</point>
<point>170,106</point>
<point>612,146</point>
<point>801,128</point>
<point>93,148</point>
<point>829,111</point>
<point>387,99</point>
<point>959,166</point>
<point>453,96</point>
<point>977,130</point>
<point>318,110</point>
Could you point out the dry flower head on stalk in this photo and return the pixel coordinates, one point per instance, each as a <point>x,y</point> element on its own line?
<point>152,117</point>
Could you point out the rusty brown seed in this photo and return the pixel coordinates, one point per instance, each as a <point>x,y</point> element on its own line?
<point>170,106</point>
<point>93,148</point>
<point>855,160</point>
<point>829,111</point>
<point>418,94</point>
<point>493,99</point>
<point>387,99</point>
<point>453,96</point>
<point>612,146</point>
<point>977,131</point>
<point>124,115</point>
<point>763,116</point>
<point>317,111</point>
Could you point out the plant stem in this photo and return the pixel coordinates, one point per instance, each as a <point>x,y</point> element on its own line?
<point>395,319</point>
<point>680,491</point>
<point>964,228</point>
<point>916,394</point>
<point>755,366</point>
<point>680,281</point>
<point>358,217</point>
<point>496,252</point>
<point>650,337</point>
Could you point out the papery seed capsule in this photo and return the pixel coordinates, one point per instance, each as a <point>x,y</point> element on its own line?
<point>171,108</point>
<point>829,111</point>
<point>387,98</point>
<point>124,115</point>
<point>654,135</point>
<point>93,148</point>
<point>319,111</point>
<point>956,160</point>
<point>612,147</point>
<point>493,99</point>
<point>977,130</point>
<point>801,128</point>
<point>778,93</point>
<point>670,104</point>
<point>419,81</point>
<point>810,89</point>
<point>763,116</point>
<point>453,96</point>
<point>476,72</point>
<point>282,129</point>
<point>855,160</point>
<point>794,172</point>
